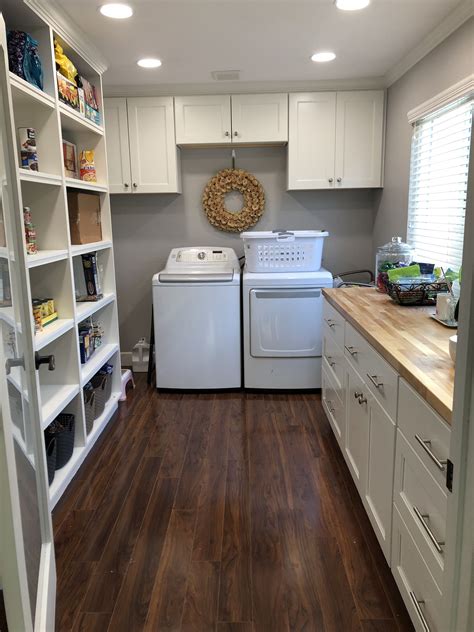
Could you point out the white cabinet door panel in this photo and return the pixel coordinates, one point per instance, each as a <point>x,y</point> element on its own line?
<point>259,118</point>
<point>203,120</point>
<point>311,140</point>
<point>357,429</point>
<point>118,155</point>
<point>359,139</point>
<point>153,153</point>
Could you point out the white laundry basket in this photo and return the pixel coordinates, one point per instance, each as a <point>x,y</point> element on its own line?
<point>283,251</point>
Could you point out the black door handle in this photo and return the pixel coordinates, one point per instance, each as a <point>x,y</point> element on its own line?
<point>50,360</point>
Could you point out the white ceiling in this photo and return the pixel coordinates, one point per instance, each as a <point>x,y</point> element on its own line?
<point>267,40</point>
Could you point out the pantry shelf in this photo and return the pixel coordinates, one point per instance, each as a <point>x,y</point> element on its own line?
<point>74,183</point>
<point>92,247</point>
<point>42,257</point>
<point>86,309</point>
<point>54,398</point>
<point>97,361</point>
<point>52,332</point>
<point>72,121</point>
<point>24,92</point>
<point>40,177</point>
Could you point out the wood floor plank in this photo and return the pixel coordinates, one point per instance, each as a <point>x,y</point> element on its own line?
<point>166,607</point>
<point>105,584</point>
<point>235,595</point>
<point>232,512</point>
<point>131,607</point>
<point>200,609</point>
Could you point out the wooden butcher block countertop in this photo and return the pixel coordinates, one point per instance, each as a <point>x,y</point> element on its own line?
<point>415,345</point>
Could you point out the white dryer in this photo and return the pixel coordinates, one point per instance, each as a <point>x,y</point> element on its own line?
<point>282,314</point>
<point>196,305</point>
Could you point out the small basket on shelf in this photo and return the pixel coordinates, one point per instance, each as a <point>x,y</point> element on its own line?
<point>62,430</point>
<point>102,384</point>
<point>419,293</point>
<point>89,406</point>
<point>51,458</point>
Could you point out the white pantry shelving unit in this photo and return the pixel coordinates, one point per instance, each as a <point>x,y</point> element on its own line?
<point>50,273</point>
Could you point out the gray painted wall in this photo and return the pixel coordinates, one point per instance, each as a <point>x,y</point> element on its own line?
<point>146,227</point>
<point>448,63</point>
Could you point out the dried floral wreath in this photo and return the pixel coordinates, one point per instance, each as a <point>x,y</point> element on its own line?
<point>213,200</point>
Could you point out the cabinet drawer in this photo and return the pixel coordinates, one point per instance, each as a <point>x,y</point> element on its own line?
<point>333,404</point>
<point>380,377</point>
<point>420,593</point>
<point>426,432</point>
<point>422,504</point>
<point>335,323</point>
<point>334,356</point>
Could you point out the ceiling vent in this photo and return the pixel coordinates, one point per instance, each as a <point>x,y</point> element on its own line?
<point>226,75</point>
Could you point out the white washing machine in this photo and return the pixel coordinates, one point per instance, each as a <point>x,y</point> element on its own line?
<point>283,319</point>
<point>196,304</point>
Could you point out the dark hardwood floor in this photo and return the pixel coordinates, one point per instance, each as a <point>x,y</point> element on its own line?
<point>231,512</point>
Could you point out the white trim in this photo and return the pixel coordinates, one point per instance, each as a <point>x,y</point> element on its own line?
<point>240,87</point>
<point>69,31</point>
<point>463,88</point>
<point>451,23</point>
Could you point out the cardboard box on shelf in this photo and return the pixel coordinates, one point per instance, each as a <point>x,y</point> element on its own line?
<point>84,217</point>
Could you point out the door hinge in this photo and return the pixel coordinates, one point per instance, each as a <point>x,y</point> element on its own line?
<point>449,475</point>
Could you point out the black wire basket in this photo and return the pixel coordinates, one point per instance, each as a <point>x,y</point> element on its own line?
<point>51,458</point>
<point>423,293</point>
<point>62,429</point>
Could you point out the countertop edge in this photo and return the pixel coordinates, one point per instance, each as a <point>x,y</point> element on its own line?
<point>435,402</point>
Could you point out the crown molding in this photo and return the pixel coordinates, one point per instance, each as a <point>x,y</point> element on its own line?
<point>451,23</point>
<point>69,31</point>
<point>240,87</point>
<point>463,88</point>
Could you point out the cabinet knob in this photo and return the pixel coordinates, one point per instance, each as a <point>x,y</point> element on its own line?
<point>226,133</point>
<point>236,133</point>
<point>135,185</point>
<point>362,399</point>
<point>357,395</point>
<point>330,179</point>
<point>125,184</point>
<point>339,179</point>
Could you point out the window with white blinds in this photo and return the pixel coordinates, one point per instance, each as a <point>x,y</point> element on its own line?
<point>438,184</point>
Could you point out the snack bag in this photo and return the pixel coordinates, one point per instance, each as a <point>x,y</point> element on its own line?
<point>64,64</point>
<point>87,166</point>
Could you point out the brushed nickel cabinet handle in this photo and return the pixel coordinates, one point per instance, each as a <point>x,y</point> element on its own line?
<point>330,361</point>
<point>417,603</point>
<point>330,180</point>
<point>423,518</point>
<point>226,133</point>
<point>351,350</point>
<point>125,184</point>
<point>426,445</point>
<point>236,133</point>
<point>135,185</point>
<point>330,406</point>
<point>330,322</point>
<point>373,379</point>
<point>357,395</point>
<point>339,179</point>
<point>362,400</point>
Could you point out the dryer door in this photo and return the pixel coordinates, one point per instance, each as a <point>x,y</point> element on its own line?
<point>286,322</point>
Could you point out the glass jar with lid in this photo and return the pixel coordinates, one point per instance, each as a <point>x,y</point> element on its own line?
<point>395,254</point>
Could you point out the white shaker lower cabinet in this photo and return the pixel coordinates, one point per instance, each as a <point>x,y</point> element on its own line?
<point>142,156</point>
<point>359,139</point>
<point>203,120</point>
<point>335,140</point>
<point>259,118</point>
<point>396,447</point>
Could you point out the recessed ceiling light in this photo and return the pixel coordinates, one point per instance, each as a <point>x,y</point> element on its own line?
<point>149,62</point>
<point>116,10</point>
<point>352,5</point>
<point>323,56</point>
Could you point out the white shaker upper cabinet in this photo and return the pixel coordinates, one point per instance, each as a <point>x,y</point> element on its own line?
<point>311,140</point>
<point>359,139</point>
<point>203,120</point>
<point>259,118</point>
<point>118,155</point>
<point>153,153</point>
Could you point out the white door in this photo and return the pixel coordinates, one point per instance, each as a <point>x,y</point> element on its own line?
<point>357,428</point>
<point>259,118</point>
<point>311,140</point>
<point>359,139</point>
<point>286,323</point>
<point>118,153</point>
<point>379,480</point>
<point>27,565</point>
<point>202,120</point>
<point>153,152</point>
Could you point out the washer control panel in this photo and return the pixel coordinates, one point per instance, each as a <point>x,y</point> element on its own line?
<point>201,255</point>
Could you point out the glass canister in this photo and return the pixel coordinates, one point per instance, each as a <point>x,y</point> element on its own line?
<point>395,254</point>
